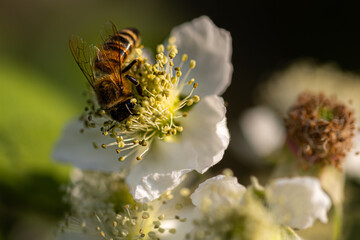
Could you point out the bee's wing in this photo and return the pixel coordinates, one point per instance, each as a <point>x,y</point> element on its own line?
<point>84,56</point>
<point>109,29</point>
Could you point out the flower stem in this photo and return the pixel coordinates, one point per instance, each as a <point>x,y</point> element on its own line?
<point>338,221</point>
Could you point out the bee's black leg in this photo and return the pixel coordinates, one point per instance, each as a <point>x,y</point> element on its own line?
<point>136,83</point>
<point>129,66</point>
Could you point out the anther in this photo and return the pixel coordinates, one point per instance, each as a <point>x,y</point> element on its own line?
<point>179,128</point>
<point>152,235</point>
<point>145,215</point>
<point>115,224</point>
<point>184,57</point>
<point>189,102</point>
<point>196,98</point>
<point>160,48</point>
<point>157,224</point>
<point>172,54</point>
<point>185,192</point>
<point>192,64</point>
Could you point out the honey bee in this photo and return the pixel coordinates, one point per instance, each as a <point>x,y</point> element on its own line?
<point>103,68</point>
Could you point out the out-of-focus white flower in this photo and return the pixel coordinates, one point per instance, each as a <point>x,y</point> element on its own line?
<point>218,194</point>
<point>284,87</point>
<point>229,209</point>
<point>352,159</point>
<point>102,208</point>
<point>262,131</point>
<point>298,202</point>
<point>187,134</point>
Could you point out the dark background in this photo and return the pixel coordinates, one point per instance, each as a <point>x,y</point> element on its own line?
<point>40,88</point>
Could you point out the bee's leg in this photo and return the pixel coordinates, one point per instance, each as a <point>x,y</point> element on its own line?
<point>136,83</point>
<point>129,66</point>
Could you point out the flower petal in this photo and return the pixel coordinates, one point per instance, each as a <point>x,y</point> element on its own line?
<point>263,130</point>
<point>74,236</point>
<point>206,131</point>
<point>211,47</point>
<point>220,191</point>
<point>298,202</point>
<point>201,145</point>
<point>76,148</point>
<point>352,160</point>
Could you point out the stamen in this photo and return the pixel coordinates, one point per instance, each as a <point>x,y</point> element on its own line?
<point>157,112</point>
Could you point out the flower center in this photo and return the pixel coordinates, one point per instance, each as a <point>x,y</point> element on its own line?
<point>103,208</point>
<point>157,112</point>
<point>320,129</point>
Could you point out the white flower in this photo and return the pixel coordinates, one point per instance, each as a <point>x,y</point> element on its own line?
<point>282,89</point>
<point>298,202</point>
<point>165,154</point>
<point>101,209</point>
<point>352,159</point>
<point>262,133</point>
<point>229,210</point>
<point>219,192</point>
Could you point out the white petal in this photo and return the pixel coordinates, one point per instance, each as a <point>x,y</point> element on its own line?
<point>211,47</point>
<point>352,160</point>
<point>206,130</point>
<point>201,145</point>
<point>298,202</point>
<point>76,148</point>
<point>217,192</point>
<point>182,228</point>
<point>263,130</point>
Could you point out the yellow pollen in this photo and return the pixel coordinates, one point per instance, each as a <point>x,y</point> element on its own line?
<point>192,64</point>
<point>157,111</point>
<point>172,40</point>
<point>184,57</point>
<point>160,48</point>
<point>191,81</point>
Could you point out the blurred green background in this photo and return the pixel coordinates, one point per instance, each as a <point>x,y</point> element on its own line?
<point>41,86</point>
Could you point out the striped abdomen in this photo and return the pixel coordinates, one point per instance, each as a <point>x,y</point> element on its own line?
<point>116,49</point>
